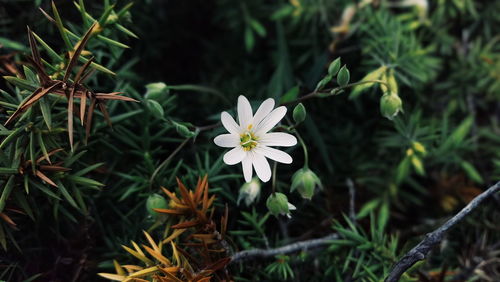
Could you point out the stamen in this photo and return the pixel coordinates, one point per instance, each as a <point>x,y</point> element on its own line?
<point>248,141</point>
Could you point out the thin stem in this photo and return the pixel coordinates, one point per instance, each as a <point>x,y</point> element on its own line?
<point>275,164</point>
<point>313,94</point>
<point>208,127</point>
<point>304,148</point>
<point>328,92</point>
<point>166,161</point>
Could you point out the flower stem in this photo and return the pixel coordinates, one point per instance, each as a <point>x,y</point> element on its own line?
<point>328,92</point>
<point>275,164</point>
<point>166,161</point>
<point>304,148</point>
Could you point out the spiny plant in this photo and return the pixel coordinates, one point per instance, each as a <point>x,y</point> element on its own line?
<point>199,250</point>
<point>33,115</point>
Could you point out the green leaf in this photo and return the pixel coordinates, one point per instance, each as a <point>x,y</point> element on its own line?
<point>112,42</point>
<point>30,75</point>
<point>87,182</point>
<point>53,54</point>
<point>258,27</point>
<point>46,113</point>
<point>383,217</point>
<point>66,194</point>
<point>8,170</point>
<point>249,39</point>
<point>12,136</point>
<point>458,135</point>
<point>373,75</point>
<point>403,170</point>
<point>32,151</point>
<point>61,28</point>
<point>14,45</point>
<point>155,108</point>
<point>104,17</point>
<point>81,8</point>
<point>343,76</point>
<point>21,83</point>
<point>334,67</point>
<point>44,189</point>
<point>471,172</point>
<point>367,208</point>
<point>417,164</point>
<point>88,169</point>
<point>7,189</point>
<point>21,200</point>
<point>126,31</point>
<point>323,82</point>
<point>290,95</point>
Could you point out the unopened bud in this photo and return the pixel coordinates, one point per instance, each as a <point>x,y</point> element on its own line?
<point>299,113</point>
<point>390,105</point>
<point>277,203</point>
<point>155,201</point>
<point>156,91</point>
<point>249,191</point>
<point>305,181</point>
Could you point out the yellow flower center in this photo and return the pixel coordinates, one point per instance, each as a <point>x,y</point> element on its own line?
<point>248,140</point>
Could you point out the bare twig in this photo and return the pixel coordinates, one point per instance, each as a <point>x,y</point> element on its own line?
<point>291,248</point>
<point>420,251</point>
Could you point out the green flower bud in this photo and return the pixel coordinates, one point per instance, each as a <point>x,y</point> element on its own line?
<point>155,201</point>
<point>299,113</point>
<point>277,204</point>
<point>155,108</point>
<point>249,191</point>
<point>419,147</point>
<point>390,105</point>
<point>305,181</point>
<point>183,130</point>
<point>156,91</point>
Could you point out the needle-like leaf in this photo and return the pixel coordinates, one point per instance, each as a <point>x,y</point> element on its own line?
<point>75,54</point>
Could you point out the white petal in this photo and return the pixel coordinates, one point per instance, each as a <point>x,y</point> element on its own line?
<point>278,139</point>
<point>265,108</point>
<point>271,120</point>
<point>247,168</point>
<point>291,207</point>
<point>229,123</point>
<point>273,154</point>
<point>244,112</point>
<point>261,167</point>
<point>227,140</point>
<point>234,156</point>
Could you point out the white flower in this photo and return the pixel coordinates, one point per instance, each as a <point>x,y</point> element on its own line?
<point>249,191</point>
<point>251,140</point>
